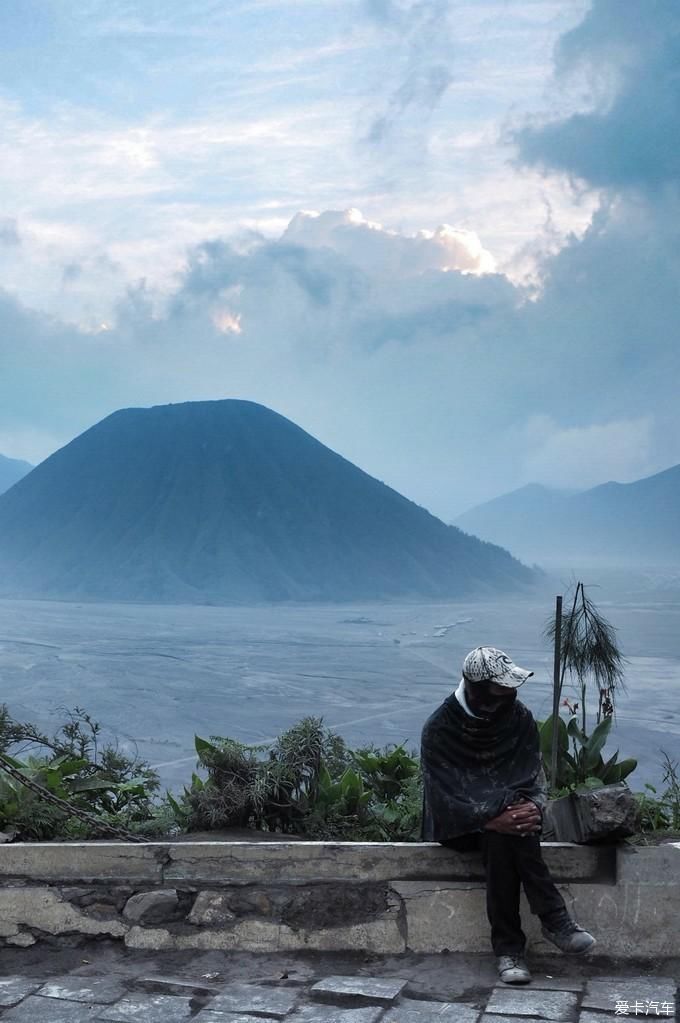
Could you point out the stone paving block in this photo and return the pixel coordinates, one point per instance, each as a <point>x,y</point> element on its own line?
<point>544,983</point>
<point>102,990</point>
<point>168,985</point>
<point>557,1005</point>
<point>363,990</point>
<point>208,1016</point>
<point>604,994</point>
<point>334,1014</point>
<point>13,989</point>
<point>256,1000</point>
<point>489,1017</point>
<point>587,1016</point>
<point>148,1009</point>
<point>416,1010</point>
<point>48,1010</point>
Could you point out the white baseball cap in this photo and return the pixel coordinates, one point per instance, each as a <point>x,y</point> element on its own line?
<point>486,663</point>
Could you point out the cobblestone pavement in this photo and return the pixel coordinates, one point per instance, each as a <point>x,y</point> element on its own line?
<point>104,983</point>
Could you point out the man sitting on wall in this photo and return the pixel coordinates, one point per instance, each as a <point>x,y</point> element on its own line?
<point>485,788</point>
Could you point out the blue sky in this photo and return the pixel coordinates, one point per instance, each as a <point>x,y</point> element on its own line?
<point>438,234</point>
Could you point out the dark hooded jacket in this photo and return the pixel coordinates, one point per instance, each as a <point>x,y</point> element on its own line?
<point>473,768</point>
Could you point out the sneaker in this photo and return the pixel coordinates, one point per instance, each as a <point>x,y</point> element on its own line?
<point>513,970</point>
<point>569,937</point>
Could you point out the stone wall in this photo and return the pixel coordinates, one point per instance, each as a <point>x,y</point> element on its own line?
<point>382,897</point>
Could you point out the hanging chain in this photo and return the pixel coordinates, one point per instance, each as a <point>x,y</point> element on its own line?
<point>72,811</point>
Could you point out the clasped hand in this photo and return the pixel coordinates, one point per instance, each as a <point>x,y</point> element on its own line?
<point>520,818</point>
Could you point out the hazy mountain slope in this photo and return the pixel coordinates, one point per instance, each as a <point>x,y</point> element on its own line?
<point>11,470</point>
<point>226,501</point>
<point>635,522</point>
<point>528,515</point>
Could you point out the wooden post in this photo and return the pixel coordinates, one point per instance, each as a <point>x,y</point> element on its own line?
<point>556,691</point>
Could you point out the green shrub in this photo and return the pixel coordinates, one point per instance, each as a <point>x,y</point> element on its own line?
<point>75,766</point>
<point>584,767</point>
<point>661,812</point>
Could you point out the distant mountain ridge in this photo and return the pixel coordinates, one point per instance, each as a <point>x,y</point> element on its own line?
<point>226,501</point>
<point>635,522</point>
<point>11,471</point>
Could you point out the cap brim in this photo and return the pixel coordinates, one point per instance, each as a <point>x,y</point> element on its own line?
<point>514,678</point>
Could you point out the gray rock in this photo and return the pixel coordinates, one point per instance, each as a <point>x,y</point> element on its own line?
<point>610,812</point>
<point>255,999</point>
<point>48,1010</point>
<point>211,909</point>
<point>148,1009</point>
<point>84,989</point>
<point>152,907</point>
<point>358,990</point>
<point>13,989</point>
<point>22,940</point>
<point>556,1005</point>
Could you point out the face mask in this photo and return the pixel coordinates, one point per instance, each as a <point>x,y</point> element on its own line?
<point>489,706</point>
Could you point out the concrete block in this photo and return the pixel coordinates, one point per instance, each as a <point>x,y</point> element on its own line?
<point>82,861</point>
<point>554,1005</point>
<point>43,909</point>
<point>268,862</point>
<point>257,1000</point>
<point>654,865</point>
<point>442,916</point>
<point>628,920</point>
<point>147,1008</point>
<point>358,990</point>
<point>13,989</point>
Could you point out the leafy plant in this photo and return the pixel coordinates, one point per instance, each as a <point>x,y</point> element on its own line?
<point>661,812</point>
<point>586,649</point>
<point>584,766</point>
<point>75,766</point>
<point>386,772</point>
<point>270,794</point>
<point>589,650</point>
<point>309,783</point>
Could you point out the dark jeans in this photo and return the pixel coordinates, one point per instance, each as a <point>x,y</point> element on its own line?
<point>511,861</point>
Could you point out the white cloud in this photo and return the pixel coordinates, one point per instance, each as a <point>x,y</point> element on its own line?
<point>379,250</point>
<point>584,456</point>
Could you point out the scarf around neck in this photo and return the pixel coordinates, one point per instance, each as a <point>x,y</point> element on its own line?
<point>474,767</point>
